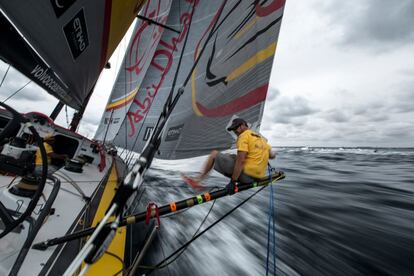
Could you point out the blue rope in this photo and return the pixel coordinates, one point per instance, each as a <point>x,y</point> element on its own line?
<point>274,230</point>
<point>268,238</point>
<point>271,221</point>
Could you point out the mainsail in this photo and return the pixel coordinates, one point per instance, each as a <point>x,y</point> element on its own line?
<point>64,45</point>
<point>141,49</point>
<point>231,76</point>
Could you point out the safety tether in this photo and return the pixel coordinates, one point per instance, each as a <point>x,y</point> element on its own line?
<point>271,228</point>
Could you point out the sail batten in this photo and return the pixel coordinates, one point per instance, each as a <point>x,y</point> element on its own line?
<point>235,42</point>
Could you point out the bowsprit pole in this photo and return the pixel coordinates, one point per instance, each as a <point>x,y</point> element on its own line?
<point>163,210</point>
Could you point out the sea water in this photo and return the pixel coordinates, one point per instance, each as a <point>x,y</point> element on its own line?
<point>339,211</point>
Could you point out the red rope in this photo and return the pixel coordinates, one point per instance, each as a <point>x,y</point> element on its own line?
<point>150,208</point>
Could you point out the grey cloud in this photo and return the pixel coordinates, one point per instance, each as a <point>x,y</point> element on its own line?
<point>88,129</point>
<point>379,117</point>
<point>272,94</point>
<point>266,127</point>
<point>294,107</point>
<point>407,72</point>
<point>337,116</point>
<point>287,110</point>
<point>403,98</point>
<point>400,133</point>
<point>360,110</point>
<point>92,119</point>
<point>375,23</point>
<point>402,107</point>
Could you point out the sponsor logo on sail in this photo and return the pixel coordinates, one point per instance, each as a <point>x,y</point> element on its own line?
<point>111,120</point>
<point>173,133</point>
<point>147,133</point>
<point>46,79</point>
<point>60,6</point>
<point>77,34</point>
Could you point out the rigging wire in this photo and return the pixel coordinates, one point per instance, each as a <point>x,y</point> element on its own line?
<point>18,90</point>
<point>173,85</point>
<point>152,268</point>
<point>168,102</point>
<point>184,248</point>
<point>163,254</point>
<point>271,221</point>
<point>195,233</point>
<point>4,77</point>
<point>213,30</point>
<point>125,106</point>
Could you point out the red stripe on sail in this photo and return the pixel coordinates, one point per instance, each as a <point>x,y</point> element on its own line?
<point>105,36</point>
<point>250,99</point>
<point>265,11</point>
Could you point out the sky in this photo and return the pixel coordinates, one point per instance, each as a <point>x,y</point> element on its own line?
<point>342,76</point>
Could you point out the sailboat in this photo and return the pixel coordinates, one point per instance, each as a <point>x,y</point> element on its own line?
<point>191,66</point>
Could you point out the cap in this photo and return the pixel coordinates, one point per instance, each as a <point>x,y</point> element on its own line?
<point>236,123</point>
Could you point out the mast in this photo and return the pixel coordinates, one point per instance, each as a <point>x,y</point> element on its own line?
<point>78,115</point>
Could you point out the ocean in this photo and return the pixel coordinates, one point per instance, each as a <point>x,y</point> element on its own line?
<point>339,211</point>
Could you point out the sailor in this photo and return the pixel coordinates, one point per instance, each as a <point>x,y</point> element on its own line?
<point>48,142</point>
<point>250,163</point>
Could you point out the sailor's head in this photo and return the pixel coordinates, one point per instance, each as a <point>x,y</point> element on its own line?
<point>238,126</point>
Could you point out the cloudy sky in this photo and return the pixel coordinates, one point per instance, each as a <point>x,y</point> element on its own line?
<point>342,76</point>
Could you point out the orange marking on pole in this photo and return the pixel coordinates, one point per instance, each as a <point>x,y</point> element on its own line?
<point>207,196</point>
<point>173,207</point>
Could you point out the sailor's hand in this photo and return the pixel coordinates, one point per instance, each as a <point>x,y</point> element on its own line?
<point>231,187</point>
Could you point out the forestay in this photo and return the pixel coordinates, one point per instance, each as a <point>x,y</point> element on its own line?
<point>231,77</point>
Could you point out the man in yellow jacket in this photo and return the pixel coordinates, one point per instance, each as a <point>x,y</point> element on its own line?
<point>250,163</point>
<point>48,142</point>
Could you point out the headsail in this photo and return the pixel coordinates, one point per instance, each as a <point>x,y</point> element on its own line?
<point>143,43</point>
<point>67,43</point>
<point>231,77</point>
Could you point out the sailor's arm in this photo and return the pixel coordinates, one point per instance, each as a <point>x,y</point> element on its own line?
<point>272,154</point>
<point>238,165</point>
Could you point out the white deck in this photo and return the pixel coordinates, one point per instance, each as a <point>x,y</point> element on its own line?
<point>68,205</point>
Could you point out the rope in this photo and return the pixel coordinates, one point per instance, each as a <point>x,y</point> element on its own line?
<point>167,104</point>
<point>271,221</point>
<point>152,268</point>
<point>129,156</point>
<point>4,77</point>
<point>195,233</point>
<point>17,91</point>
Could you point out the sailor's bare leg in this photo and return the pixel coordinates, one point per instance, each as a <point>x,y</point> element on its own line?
<point>208,166</point>
<point>195,182</point>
